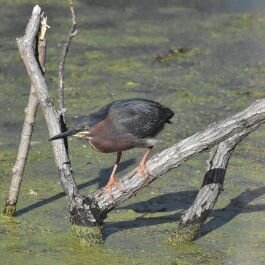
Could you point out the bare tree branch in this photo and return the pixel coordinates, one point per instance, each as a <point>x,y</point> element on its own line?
<point>244,122</point>
<point>71,34</point>
<point>236,126</point>
<point>18,168</point>
<point>191,222</point>
<point>25,45</point>
<point>62,109</point>
<point>30,113</point>
<point>89,209</point>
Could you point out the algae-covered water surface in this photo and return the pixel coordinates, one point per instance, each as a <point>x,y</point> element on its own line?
<point>203,59</point>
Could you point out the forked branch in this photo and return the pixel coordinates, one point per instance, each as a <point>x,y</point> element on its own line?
<point>192,220</point>
<point>25,45</point>
<point>30,113</point>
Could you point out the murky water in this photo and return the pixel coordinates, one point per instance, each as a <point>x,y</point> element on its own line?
<point>115,56</point>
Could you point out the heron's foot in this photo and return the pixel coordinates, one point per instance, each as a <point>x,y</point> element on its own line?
<point>144,171</point>
<point>113,182</point>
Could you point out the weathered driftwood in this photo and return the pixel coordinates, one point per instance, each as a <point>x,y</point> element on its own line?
<point>192,220</point>
<point>18,168</point>
<point>30,113</point>
<point>235,128</point>
<point>25,45</point>
<point>88,212</point>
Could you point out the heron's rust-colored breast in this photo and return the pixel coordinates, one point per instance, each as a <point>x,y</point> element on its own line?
<point>103,139</point>
<point>110,145</point>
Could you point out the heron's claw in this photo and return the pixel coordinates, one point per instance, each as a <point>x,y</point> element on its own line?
<point>113,181</point>
<point>144,171</point>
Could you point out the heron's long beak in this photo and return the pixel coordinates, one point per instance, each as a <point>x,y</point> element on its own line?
<point>71,132</point>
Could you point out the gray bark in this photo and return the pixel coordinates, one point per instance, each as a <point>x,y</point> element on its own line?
<point>191,222</point>
<point>71,34</point>
<point>25,45</point>
<point>28,126</point>
<point>19,167</point>
<point>61,112</point>
<point>83,214</point>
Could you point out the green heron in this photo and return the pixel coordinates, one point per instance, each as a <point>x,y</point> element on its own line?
<point>122,125</point>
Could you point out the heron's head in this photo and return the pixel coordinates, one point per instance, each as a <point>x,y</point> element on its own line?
<point>80,131</point>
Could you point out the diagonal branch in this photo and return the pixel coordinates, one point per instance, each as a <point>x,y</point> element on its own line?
<point>87,210</point>
<point>20,164</point>
<point>191,222</point>
<point>237,126</point>
<point>242,123</point>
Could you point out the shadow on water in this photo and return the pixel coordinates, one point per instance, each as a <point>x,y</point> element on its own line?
<point>165,203</point>
<point>101,180</point>
<point>236,206</point>
<point>142,221</point>
<point>182,200</point>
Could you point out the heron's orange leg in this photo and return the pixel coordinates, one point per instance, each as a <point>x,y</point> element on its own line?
<point>113,180</point>
<point>142,168</point>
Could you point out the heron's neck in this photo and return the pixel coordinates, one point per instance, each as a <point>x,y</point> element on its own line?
<point>84,135</point>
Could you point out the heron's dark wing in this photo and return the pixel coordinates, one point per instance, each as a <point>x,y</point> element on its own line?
<point>95,117</point>
<point>142,118</point>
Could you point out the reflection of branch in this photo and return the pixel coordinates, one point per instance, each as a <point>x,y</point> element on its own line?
<point>237,205</point>
<point>30,113</point>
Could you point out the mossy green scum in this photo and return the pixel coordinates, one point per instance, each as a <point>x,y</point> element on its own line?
<point>219,72</point>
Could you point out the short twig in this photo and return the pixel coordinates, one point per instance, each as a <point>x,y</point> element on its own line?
<point>71,34</point>
<point>62,109</point>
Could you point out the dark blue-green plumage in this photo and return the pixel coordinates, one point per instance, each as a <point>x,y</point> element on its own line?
<point>122,125</point>
<point>140,117</point>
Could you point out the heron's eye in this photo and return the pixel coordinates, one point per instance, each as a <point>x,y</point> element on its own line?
<point>85,127</point>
